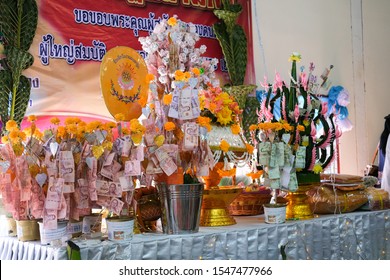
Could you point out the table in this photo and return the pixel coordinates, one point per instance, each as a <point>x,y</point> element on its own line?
<point>354,236</point>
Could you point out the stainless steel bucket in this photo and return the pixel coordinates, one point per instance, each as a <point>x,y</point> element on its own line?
<point>180,205</point>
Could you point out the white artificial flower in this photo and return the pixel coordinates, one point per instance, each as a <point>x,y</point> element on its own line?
<point>192,27</point>
<point>165,60</point>
<point>153,47</point>
<point>193,57</point>
<point>162,70</point>
<point>203,49</point>
<point>159,28</point>
<point>163,79</point>
<point>182,57</point>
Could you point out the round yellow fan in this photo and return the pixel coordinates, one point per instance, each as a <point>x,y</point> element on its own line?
<point>122,78</point>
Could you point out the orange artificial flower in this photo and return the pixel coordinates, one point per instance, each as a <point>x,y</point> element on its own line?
<point>300,127</point>
<point>11,125</point>
<point>236,129</point>
<point>227,173</point>
<point>249,148</point>
<point>55,121</point>
<point>255,175</point>
<point>205,122</point>
<point>224,145</point>
<point>31,118</point>
<point>169,126</point>
<point>119,117</point>
<point>149,77</point>
<point>172,21</point>
<point>196,71</point>
<point>167,99</point>
<point>253,127</point>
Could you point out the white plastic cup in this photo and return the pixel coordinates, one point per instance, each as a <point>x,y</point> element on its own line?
<point>275,213</point>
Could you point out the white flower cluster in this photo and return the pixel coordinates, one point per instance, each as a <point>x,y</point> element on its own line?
<point>171,47</point>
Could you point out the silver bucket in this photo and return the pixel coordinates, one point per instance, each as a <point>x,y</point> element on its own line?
<point>180,205</point>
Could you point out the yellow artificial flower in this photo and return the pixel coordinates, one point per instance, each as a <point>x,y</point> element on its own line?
<point>167,99</point>
<point>295,57</point>
<point>110,125</point>
<point>236,129</point>
<point>18,149</point>
<point>70,120</point>
<point>306,123</point>
<point>224,145</point>
<point>125,131</point>
<point>224,116</point>
<point>152,106</point>
<point>22,136</point>
<point>136,127</point>
<point>5,139</point>
<point>55,121</point>
<point>317,168</point>
<point>202,100</point>
<point>31,118</point>
<point>305,141</point>
<point>71,128</point>
<point>61,131</point>
<point>38,134</point>
<point>11,125</point>
<point>169,126</point>
<point>119,117</point>
<point>159,140</point>
<point>81,130</point>
<point>137,138</point>
<point>107,145</point>
<point>27,130</point>
<point>172,21</point>
<point>225,97</point>
<point>14,135</point>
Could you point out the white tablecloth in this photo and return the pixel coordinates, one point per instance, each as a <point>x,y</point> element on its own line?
<point>358,235</point>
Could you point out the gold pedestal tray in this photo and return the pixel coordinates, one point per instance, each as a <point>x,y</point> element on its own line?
<point>299,207</point>
<point>215,205</point>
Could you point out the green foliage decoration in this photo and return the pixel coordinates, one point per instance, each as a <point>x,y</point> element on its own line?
<point>18,24</point>
<point>233,41</point>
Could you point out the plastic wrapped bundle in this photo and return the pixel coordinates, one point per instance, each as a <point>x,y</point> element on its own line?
<point>378,199</point>
<point>328,200</point>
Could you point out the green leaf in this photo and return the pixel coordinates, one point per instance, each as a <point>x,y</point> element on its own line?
<point>234,50</point>
<point>22,98</point>
<point>5,90</point>
<point>18,59</point>
<point>18,22</point>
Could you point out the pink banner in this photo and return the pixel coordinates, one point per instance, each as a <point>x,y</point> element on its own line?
<point>73,36</point>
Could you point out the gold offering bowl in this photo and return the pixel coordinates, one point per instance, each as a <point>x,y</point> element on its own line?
<point>299,207</point>
<point>216,201</point>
